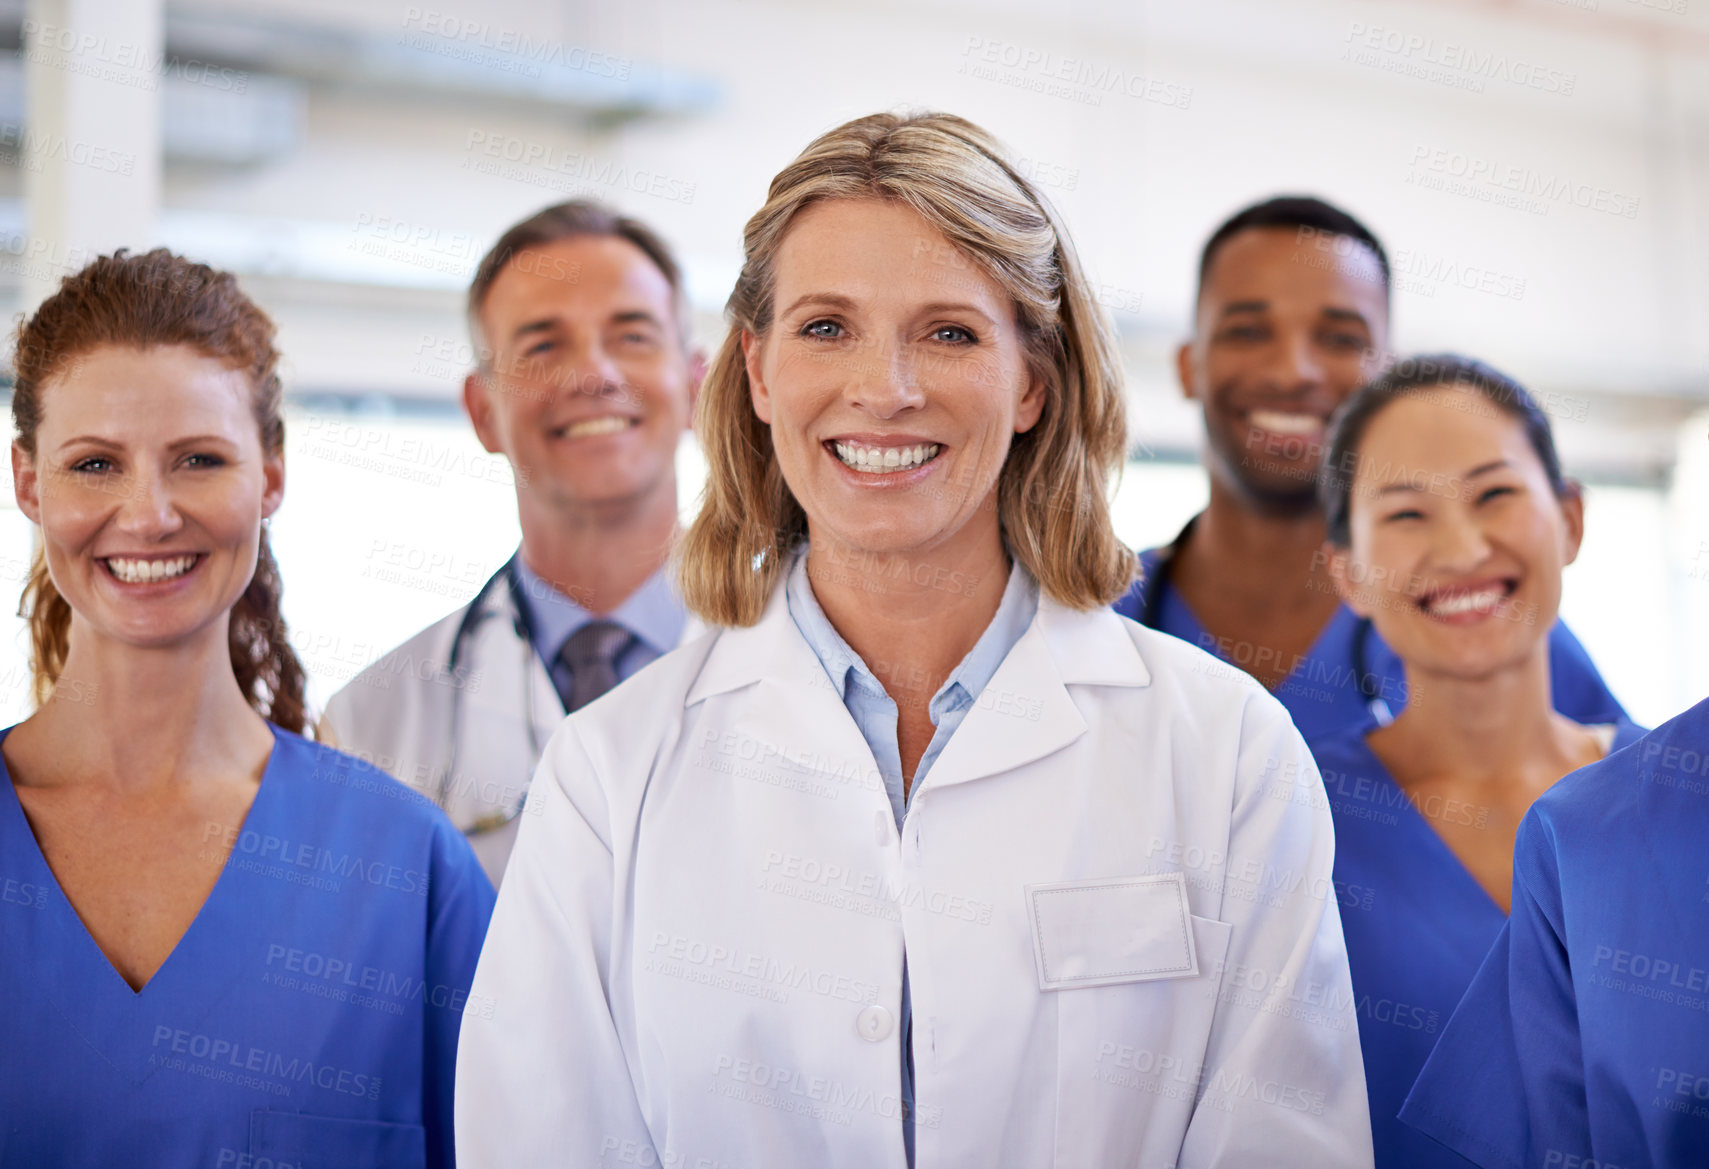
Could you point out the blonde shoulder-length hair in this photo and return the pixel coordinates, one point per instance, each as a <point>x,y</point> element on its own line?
<point>1051,499</point>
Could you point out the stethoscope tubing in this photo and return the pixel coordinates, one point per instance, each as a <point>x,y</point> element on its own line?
<point>473,615</point>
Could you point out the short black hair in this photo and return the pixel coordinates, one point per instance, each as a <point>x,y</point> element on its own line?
<point>1409,376</point>
<point>1296,211</point>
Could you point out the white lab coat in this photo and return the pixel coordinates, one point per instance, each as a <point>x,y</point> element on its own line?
<point>1113,886</point>
<point>401,712</point>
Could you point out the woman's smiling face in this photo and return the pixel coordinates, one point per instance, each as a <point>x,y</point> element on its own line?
<point>149,483</point>
<point>1458,540</point>
<point>893,377</point>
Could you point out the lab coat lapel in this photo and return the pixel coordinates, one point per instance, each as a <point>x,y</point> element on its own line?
<point>1026,711</point>
<point>548,709</point>
<point>792,707</point>
<point>1024,714</point>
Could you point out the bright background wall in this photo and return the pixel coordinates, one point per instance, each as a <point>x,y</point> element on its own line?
<point>1538,170</point>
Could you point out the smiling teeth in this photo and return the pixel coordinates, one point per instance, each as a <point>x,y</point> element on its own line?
<point>1480,602</point>
<point>877,460</point>
<point>145,571</point>
<point>608,424</point>
<point>1278,422</point>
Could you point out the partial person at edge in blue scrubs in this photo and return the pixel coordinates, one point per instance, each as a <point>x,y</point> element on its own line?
<point>220,944</point>
<point>1449,524</point>
<point>1583,1042</point>
<point>1292,316</point>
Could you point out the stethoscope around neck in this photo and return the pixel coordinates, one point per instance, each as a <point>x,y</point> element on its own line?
<point>474,614</point>
<point>1358,650</point>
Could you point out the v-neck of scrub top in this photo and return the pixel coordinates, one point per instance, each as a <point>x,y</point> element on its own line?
<point>1315,692</point>
<point>1417,925</point>
<point>115,1020</point>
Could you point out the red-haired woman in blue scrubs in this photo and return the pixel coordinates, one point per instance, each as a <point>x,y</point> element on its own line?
<point>220,944</point>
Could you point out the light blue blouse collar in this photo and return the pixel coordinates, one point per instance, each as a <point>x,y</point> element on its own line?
<point>965,683</point>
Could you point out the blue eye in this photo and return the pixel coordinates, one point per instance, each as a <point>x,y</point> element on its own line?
<point>961,336</point>
<point>822,329</point>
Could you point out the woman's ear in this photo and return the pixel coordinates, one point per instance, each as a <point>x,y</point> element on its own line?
<point>1342,574</point>
<point>25,487</point>
<point>272,483</point>
<point>1031,406</point>
<point>758,393</point>
<point>1572,513</point>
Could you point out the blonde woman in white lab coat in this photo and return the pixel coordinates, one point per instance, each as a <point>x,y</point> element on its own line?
<point>925,857</point>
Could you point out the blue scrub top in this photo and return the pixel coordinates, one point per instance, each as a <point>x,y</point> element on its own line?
<point>1583,1041</point>
<point>308,1017</point>
<point>1417,925</point>
<point>1322,690</point>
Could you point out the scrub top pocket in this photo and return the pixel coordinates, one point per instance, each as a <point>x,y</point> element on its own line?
<point>287,1140</point>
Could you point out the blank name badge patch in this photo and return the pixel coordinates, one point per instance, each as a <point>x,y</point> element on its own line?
<point>1123,929</point>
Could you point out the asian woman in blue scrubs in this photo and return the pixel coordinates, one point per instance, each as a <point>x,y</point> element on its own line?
<point>1449,525</point>
<point>220,944</point>
<point>1583,1042</point>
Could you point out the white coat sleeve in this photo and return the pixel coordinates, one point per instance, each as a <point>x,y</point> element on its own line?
<point>1283,1081</point>
<point>542,1080</point>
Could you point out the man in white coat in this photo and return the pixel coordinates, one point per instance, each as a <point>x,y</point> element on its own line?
<point>586,382</point>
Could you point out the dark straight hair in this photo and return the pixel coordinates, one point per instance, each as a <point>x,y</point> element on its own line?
<point>1415,375</point>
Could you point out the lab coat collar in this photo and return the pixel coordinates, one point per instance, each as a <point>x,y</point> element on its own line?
<point>771,648</point>
<point>1025,713</point>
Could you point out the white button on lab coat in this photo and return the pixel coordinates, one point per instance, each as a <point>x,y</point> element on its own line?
<point>1113,888</point>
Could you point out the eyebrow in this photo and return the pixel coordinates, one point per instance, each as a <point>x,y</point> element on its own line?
<point>1484,469</point>
<point>189,440</point>
<point>848,304</point>
<point>543,325</point>
<point>549,324</point>
<point>1346,314</point>
<point>833,299</point>
<point>1332,313</point>
<point>955,306</point>
<point>1246,306</point>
